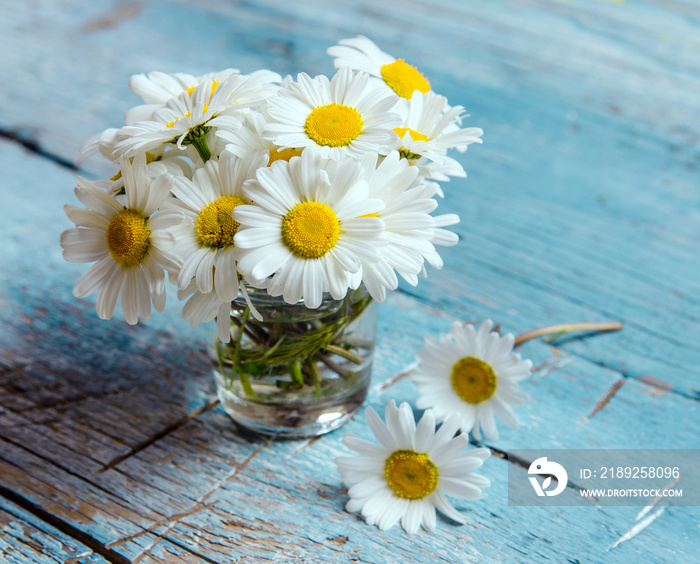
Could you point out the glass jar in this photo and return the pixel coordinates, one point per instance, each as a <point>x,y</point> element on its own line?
<point>299,372</point>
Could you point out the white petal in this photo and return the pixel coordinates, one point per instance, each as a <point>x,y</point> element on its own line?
<point>395,509</point>
<point>460,488</point>
<point>109,292</point>
<point>429,520</point>
<point>94,277</point>
<point>488,423</point>
<point>368,487</point>
<point>413,517</point>
<point>425,431</point>
<point>505,413</point>
<point>364,447</point>
<point>446,508</point>
<point>380,431</point>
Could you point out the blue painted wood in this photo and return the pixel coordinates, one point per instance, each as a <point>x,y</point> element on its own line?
<point>581,205</point>
<point>26,538</point>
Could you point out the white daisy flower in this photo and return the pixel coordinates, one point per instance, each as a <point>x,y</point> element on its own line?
<point>361,54</point>
<point>473,375</point>
<point>344,117</point>
<point>249,139</point>
<point>307,229</point>
<point>430,128</point>
<point>128,242</point>
<point>207,229</point>
<point>407,476</point>
<point>409,227</point>
<point>157,88</point>
<point>192,119</point>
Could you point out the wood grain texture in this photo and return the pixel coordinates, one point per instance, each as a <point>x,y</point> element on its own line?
<point>26,538</point>
<point>582,204</point>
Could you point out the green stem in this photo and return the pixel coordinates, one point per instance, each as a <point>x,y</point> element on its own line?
<point>295,373</point>
<point>245,382</point>
<point>315,375</point>
<point>563,328</point>
<point>340,351</point>
<point>280,343</point>
<point>200,143</point>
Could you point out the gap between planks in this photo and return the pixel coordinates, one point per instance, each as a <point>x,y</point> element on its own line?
<point>106,551</point>
<point>198,506</point>
<point>66,528</point>
<point>159,435</point>
<point>34,147</point>
<point>65,469</point>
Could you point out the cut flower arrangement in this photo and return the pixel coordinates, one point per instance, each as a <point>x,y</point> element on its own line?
<point>284,209</point>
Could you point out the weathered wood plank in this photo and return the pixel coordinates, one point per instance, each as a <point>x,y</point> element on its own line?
<point>25,538</point>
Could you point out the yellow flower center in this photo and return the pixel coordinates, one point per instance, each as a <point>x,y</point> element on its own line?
<point>215,224</point>
<point>410,474</point>
<point>401,131</point>
<point>283,155</point>
<point>334,125</point>
<point>128,237</point>
<point>473,380</point>
<point>404,78</point>
<point>310,229</point>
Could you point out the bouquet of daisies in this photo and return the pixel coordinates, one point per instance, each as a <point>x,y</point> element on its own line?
<point>296,188</point>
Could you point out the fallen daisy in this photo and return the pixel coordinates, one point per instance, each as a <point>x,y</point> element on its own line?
<point>472,374</point>
<point>408,475</point>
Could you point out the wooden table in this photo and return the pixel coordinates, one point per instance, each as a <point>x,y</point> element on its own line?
<point>582,204</point>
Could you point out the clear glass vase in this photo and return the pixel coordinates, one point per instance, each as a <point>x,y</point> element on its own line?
<point>300,372</point>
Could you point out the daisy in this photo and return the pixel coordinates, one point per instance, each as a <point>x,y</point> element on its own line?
<point>128,242</point>
<point>407,476</point>
<point>345,116</point>
<point>310,229</point>
<point>361,54</point>
<point>205,234</point>
<point>430,128</point>
<point>410,228</point>
<point>249,139</point>
<point>474,375</point>
<point>157,88</point>
<point>192,119</point>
